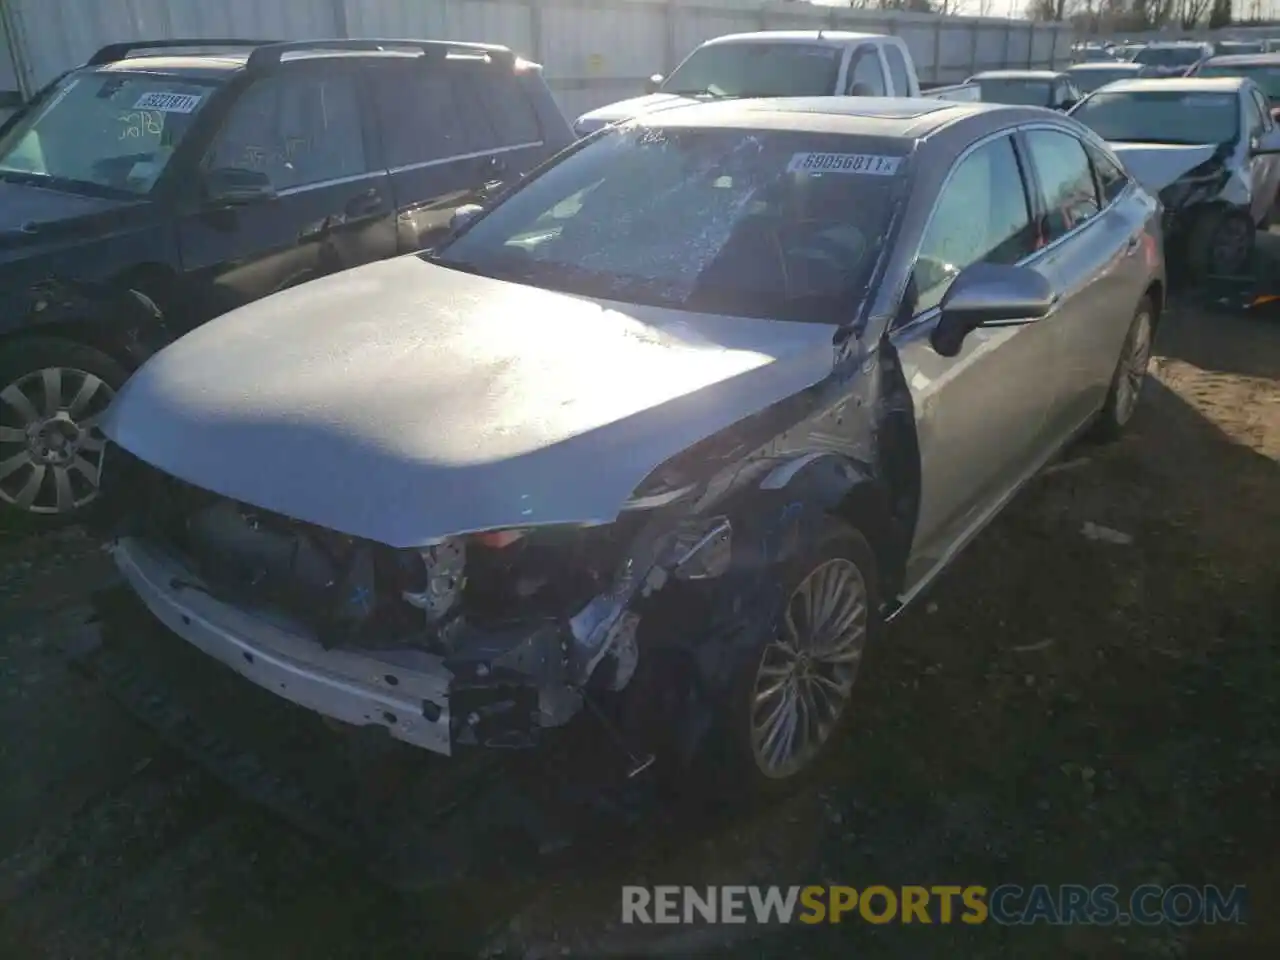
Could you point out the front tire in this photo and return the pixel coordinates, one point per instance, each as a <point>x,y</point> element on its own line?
<point>1130,375</point>
<point>791,700</point>
<point>1221,243</point>
<point>53,393</point>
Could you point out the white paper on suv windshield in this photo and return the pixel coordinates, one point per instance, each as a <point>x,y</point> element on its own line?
<point>168,102</point>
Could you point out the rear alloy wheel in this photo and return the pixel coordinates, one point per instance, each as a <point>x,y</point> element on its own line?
<point>51,447</point>
<point>1130,375</point>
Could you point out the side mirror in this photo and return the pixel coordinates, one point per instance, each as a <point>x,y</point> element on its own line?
<point>234,187</point>
<point>1275,114</point>
<point>464,215</point>
<point>1067,104</point>
<point>654,83</point>
<point>989,295</point>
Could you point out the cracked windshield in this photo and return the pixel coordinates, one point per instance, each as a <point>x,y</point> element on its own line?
<point>716,221</point>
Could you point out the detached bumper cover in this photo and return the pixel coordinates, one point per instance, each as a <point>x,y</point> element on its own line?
<point>406,691</point>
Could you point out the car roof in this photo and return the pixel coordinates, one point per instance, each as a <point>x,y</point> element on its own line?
<point>835,38</point>
<point>888,117</point>
<point>1104,65</point>
<point>1245,60</point>
<point>1017,75</point>
<point>1180,85</point>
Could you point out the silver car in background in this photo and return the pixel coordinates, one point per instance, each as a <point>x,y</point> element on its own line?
<point>1209,148</point>
<point>666,434</point>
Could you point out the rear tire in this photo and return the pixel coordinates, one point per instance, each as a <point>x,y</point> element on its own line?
<point>53,393</point>
<point>1129,377</point>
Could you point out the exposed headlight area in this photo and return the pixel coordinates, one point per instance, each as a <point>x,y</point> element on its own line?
<point>524,623</point>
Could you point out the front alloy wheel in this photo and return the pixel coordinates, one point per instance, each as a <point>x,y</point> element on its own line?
<point>50,446</point>
<point>805,676</point>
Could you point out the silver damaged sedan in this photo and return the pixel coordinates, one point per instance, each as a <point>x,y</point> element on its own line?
<point>663,436</point>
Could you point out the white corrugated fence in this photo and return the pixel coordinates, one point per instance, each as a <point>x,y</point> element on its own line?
<point>594,51</point>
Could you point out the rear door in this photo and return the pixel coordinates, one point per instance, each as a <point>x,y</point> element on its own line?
<point>980,415</point>
<point>1265,168</point>
<point>304,127</point>
<point>1092,254</point>
<point>455,131</point>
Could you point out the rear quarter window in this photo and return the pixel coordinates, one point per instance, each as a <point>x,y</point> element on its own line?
<point>507,107</point>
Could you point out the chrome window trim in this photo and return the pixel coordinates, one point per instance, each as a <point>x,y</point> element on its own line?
<point>332,182</point>
<point>930,312</point>
<point>478,154</point>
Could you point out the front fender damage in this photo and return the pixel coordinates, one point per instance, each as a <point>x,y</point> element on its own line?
<point>500,635</point>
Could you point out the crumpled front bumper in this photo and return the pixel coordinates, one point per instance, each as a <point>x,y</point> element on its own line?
<point>406,691</point>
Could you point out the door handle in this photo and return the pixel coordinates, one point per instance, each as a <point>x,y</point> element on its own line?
<point>1134,243</point>
<point>367,204</point>
<point>316,229</point>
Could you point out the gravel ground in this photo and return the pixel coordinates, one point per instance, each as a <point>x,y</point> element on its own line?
<point>1061,709</point>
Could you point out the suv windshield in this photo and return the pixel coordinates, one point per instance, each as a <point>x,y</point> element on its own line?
<point>1020,92</point>
<point>1161,116</point>
<point>106,133</point>
<point>758,70</point>
<point>1168,56</point>
<point>780,225</point>
<point>1267,77</point>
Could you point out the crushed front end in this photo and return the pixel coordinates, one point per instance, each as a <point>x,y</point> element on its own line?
<point>482,639</point>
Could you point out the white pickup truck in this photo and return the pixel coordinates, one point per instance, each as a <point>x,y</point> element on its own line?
<point>782,63</point>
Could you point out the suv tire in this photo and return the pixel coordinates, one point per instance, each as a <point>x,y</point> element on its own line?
<point>52,394</point>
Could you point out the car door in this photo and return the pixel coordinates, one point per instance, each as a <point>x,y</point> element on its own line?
<point>454,134</point>
<point>1264,168</point>
<point>302,126</point>
<point>1091,256</point>
<point>980,415</point>
<point>865,76</point>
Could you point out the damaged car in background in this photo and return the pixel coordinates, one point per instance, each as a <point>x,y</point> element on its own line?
<point>1209,148</point>
<point>658,440</point>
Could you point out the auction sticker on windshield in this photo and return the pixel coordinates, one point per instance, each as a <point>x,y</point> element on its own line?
<point>865,163</point>
<point>168,102</point>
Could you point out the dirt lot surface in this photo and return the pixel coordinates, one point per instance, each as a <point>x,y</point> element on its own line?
<point>1062,709</point>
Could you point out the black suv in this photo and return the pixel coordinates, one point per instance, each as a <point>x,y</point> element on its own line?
<point>141,195</point>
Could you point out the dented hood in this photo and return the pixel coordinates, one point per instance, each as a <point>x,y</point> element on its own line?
<point>626,109</point>
<point>403,402</point>
<point>1156,165</point>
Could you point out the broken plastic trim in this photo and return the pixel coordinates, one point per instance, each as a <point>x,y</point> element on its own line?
<point>709,556</point>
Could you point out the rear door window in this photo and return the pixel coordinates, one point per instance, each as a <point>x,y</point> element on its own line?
<point>429,113</point>
<point>506,107</point>
<point>1068,195</point>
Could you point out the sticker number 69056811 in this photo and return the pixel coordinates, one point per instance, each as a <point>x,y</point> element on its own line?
<point>862,163</point>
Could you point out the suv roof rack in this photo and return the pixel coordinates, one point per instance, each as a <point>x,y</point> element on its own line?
<point>266,55</point>
<point>118,51</point>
